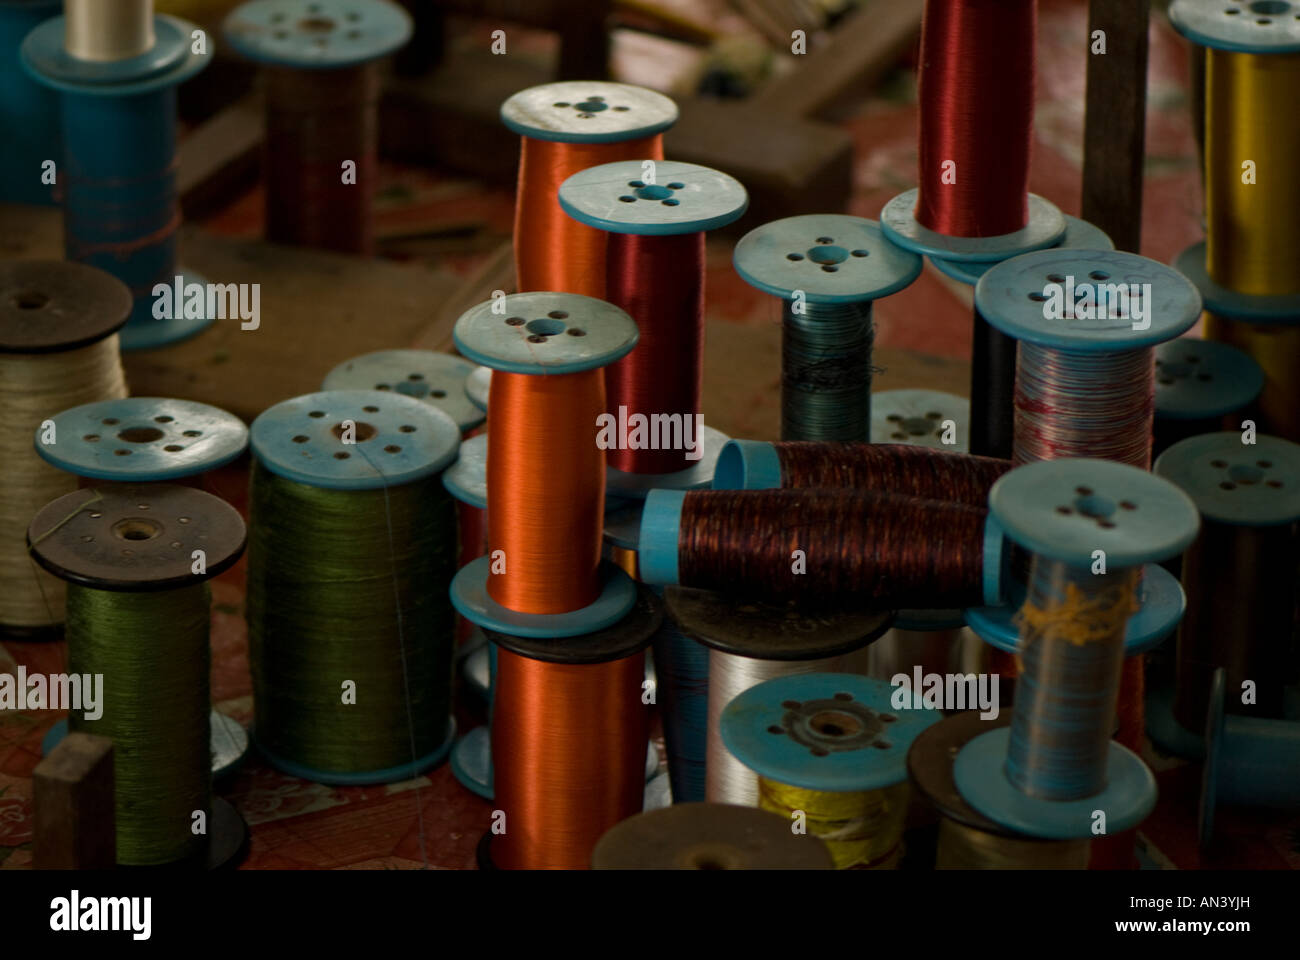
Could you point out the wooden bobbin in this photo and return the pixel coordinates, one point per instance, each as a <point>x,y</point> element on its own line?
<point>141,538</point>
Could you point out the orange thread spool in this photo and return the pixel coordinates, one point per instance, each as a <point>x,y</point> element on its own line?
<point>546,485</point>
<point>566,127</point>
<point>568,742</point>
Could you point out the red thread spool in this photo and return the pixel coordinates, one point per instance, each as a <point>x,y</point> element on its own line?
<point>977,109</point>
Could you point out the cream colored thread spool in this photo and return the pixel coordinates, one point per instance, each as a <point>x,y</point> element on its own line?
<point>107,30</point>
<point>58,349</point>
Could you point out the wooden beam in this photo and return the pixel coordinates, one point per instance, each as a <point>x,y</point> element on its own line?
<point>72,797</point>
<point>1114,137</point>
<point>220,158</point>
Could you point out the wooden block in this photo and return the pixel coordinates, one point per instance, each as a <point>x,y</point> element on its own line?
<point>1114,136</point>
<point>73,805</point>
<point>220,158</point>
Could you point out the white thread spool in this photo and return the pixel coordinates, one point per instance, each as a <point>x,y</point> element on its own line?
<point>107,30</point>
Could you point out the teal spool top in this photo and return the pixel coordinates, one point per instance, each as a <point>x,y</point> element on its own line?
<point>466,479</point>
<point>1044,228</point>
<point>170,61</point>
<point>143,439</point>
<point>316,34</point>
<point>1281,309</point>
<point>1242,26</point>
<point>439,379</point>
<point>825,731</point>
<point>1079,235</point>
<point>681,198</point>
<point>545,333</point>
<point>1067,509</point>
<point>588,111</point>
<point>917,417</point>
<point>1200,379</point>
<point>1248,485</point>
<point>478,387</point>
<point>1018,294</point>
<point>832,258</point>
<point>398,440</point>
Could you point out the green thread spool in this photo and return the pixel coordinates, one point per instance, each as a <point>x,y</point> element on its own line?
<point>137,558</point>
<point>353,548</point>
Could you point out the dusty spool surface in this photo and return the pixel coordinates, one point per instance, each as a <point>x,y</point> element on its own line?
<point>48,306</point>
<point>136,537</point>
<point>708,836</point>
<point>588,111</point>
<point>439,379</point>
<point>770,631</point>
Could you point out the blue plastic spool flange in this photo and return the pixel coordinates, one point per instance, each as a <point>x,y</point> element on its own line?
<point>1014,297</point>
<point>119,149</point>
<point>1241,26</point>
<point>774,729</point>
<point>1204,379</point>
<point>1244,485</point>
<point>438,379</point>
<point>29,111</point>
<point>544,333</point>
<point>1045,227</point>
<point>1280,309</point>
<point>1250,761</point>
<point>830,258</point>
<point>1161,605</point>
<point>478,666</point>
<point>466,479</point>
<point>680,198</point>
<point>471,761</point>
<point>581,111</point>
<point>228,742</point>
<point>478,387</point>
<point>1166,733</point>
<point>698,476</point>
<point>1079,235</point>
<point>143,440</point>
<point>908,416</point>
<point>410,440</point>
<point>316,34</point>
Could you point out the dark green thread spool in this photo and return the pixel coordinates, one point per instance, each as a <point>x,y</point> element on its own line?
<point>137,559</point>
<point>353,547</point>
<point>826,371</point>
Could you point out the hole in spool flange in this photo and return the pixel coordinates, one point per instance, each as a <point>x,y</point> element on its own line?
<point>136,528</point>
<point>29,300</point>
<point>833,723</point>
<point>361,432</point>
<point>140,434</point>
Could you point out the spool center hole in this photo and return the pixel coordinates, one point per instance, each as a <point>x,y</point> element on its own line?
<point>828,254</point>
<point>30,300</point>
<point>712,858</point>
<point>361,432</point>
<point>1246,473</point>
<point>1094,507</point>
<point>917,426</point>
<point>316,25</point>
<point>832,723</point>
<point>545,326</point>
<point>136,528</point>
<point>140,434</point>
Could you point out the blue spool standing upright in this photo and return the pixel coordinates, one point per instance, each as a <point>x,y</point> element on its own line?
<point>117,68</point>
<point>29,112</point>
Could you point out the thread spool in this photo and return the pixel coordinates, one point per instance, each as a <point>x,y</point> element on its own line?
<point>886,549</point>
<point>566,127</point>
<point>708,836</point>
<point>827,269</point>
<point>878,467</point>
<point>1056,764</point>
<point>656,215</point>
<point>1245,268</point>
<point>145,440</point>
<point>58,348</point>
<point>138,615</point>
<point>1202,386</point>
<point>682,693</point>
<point>321,79</point>
<point>439,379</point>
<point>119,152</point>
<point>833,746</point>
<point>993,353</point>
<point>921,418</point>
<point>29,111</point>
<point>1240,614</point>
<point>749,643</point>
<point>94,31</point>
<point>968,840</point>
<point>352,547</point>
<point>1250,761</point>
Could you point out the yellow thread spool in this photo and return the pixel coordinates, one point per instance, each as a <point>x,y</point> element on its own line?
<point>862,829</point>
